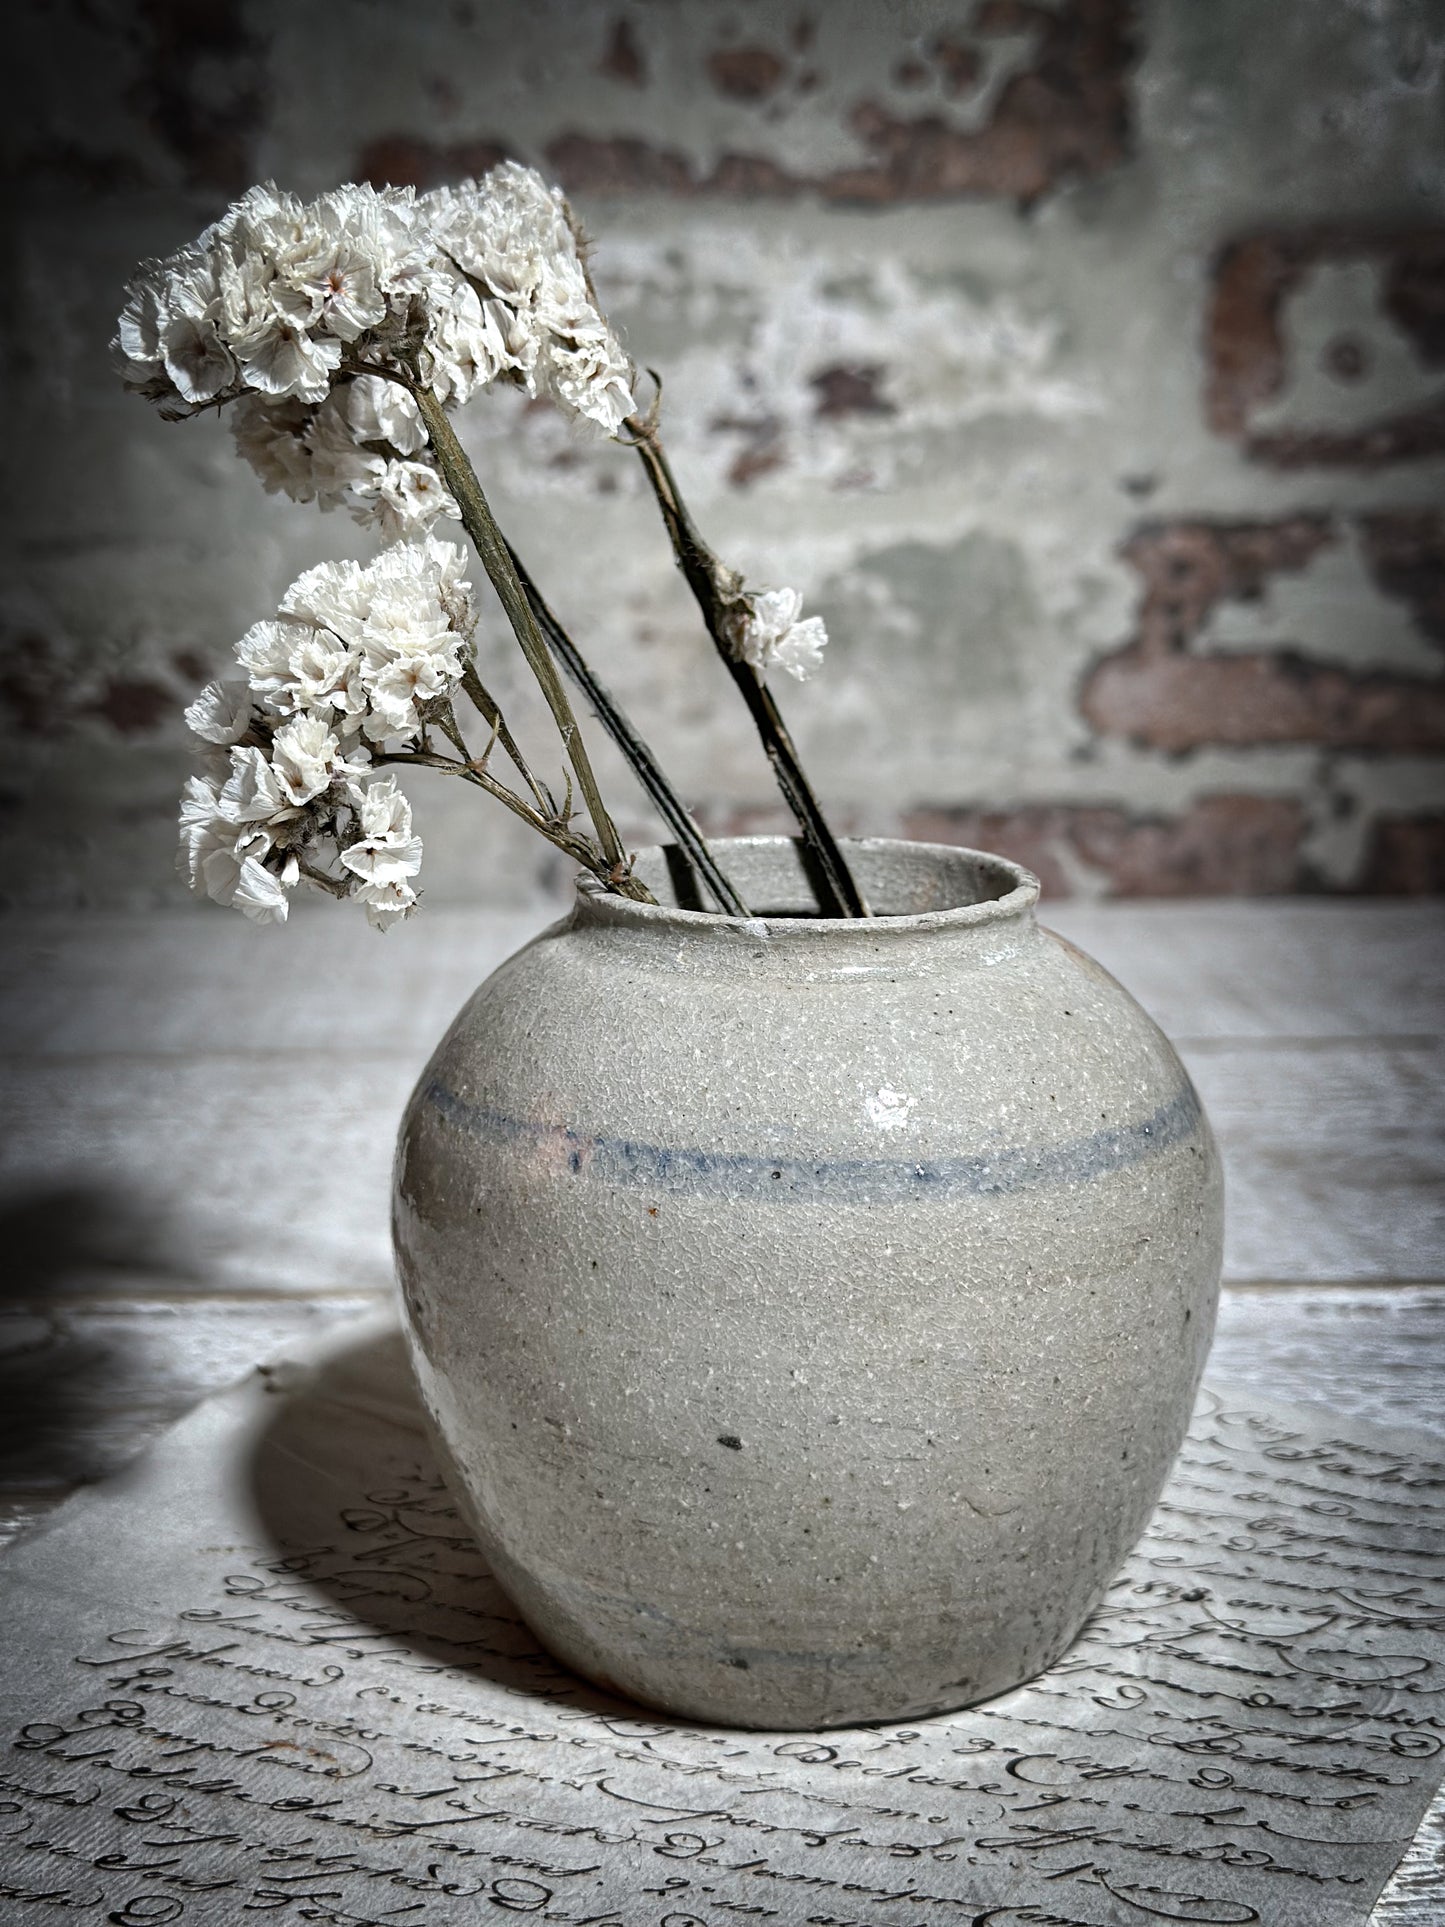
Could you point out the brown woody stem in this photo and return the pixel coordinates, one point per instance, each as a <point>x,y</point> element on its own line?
<point>645,766</point>
<point>707,577</point>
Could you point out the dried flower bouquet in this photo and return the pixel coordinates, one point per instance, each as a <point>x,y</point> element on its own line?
<point>341,333</point>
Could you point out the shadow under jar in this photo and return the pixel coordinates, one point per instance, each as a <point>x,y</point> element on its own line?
<point>810,1311</point>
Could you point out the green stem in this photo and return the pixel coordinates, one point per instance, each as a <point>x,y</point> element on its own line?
<point>645,766</point>
<point>480,525</point>
<point>838,891</point>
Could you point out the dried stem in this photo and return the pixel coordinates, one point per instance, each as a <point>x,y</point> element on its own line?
<point>488,708</point>
<point>645,766</point>
<point>552,826</point>
<point>713,586</point>
<point>480,525</point>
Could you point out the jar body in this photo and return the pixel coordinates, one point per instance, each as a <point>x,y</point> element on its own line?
<point>810,1313</point>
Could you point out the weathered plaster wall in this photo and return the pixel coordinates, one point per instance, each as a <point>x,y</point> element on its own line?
<point>1084,361</point>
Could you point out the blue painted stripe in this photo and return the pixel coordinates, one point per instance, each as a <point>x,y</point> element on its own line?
<point>793,1180</point>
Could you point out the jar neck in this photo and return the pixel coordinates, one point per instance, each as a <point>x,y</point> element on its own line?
<point>926,897</point>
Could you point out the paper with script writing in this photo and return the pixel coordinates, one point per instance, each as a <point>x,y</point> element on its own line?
<point>265,1673</point>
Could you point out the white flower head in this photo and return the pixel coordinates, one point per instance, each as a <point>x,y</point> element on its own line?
<point>355,656</point>
<point>386,903</point>
<point>252,793</point>
<point>269,296</point>
<point>378,410</point>
<point>221,713</point>
<point>325,676</point>
<point>272,300</point>
<point>228,857</point>
<point>265,653</point>
<point>259,893</point>
<point>271,436</point>
<point>341,468</point>
<point>768,630</point>
<point>515,240</point>
<point>409,496</point>
<point>287,361</point>
<point>386,850</point>
<point>305,757</point>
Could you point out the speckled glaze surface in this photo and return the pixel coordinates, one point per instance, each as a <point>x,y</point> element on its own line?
<point>810,1311</point>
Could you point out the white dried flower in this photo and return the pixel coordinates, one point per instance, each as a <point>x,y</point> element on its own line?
<point>252,792</point>
<point>271,437</point>
<point>385,903</point>
<point>354,450</point>
<point>515,238</point>
<point>408,498</point>
<point>378,410</point>
<point>259,893</point>
<point>284,360</point>
<point>590,375</point>
<point>323,675</point>
<point>270,297</point>
<point>355,656</point>
<point>341,469</point>
<point>386,851</point>
<point>221,713</point>
<point>469,342</point>
<point>224,854</point>
<point>768,630</point>
<point>265,652</point>
<point>305,756</point>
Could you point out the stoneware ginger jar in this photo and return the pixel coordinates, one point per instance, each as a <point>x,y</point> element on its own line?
<point>810,1311</point>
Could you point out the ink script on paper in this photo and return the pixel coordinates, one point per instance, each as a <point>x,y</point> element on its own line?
<point>266,1674</point>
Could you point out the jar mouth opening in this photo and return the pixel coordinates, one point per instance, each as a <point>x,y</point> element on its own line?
<point>908,886</point>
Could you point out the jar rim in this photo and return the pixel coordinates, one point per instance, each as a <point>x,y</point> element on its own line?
<point>1014,893</point>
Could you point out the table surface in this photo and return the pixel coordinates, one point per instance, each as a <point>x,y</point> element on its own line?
<point>195,1174</point>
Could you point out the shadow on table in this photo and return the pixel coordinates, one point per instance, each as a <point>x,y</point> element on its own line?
<point>77,1389</point>
<point>348,1487</point>
<point>84,1231</point>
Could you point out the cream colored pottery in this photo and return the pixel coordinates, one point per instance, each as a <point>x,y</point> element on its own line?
<point>810,1310</point>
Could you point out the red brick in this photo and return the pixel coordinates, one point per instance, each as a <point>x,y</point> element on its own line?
<point>762,448</point>
<point>1405,856</point>
<point>1404,550</point>
<point>850,388</point>
<point>1221,846</point>
<point>1225,845</point>
<point>1245,343</point>
<point>746,73</point>
<point>133,704</point>
<point>402,160</point>
<point>586,164</point>
<point>960,64</point>
<point>623,59</point>
<point>1064,115</point>
<point>1159,694</point>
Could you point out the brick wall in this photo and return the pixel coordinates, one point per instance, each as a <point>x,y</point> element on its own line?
<point>1084,361</point>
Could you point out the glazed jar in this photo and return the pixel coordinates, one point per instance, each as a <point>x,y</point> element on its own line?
<point>809,1311</point>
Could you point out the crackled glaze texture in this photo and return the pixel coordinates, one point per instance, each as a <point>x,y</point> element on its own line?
<point>811,1311</point>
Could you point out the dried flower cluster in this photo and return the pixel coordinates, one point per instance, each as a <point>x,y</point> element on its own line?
<point>339,330</point>
<point>359,661</point>
<point>769,630</point>
<point>281,302</point>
